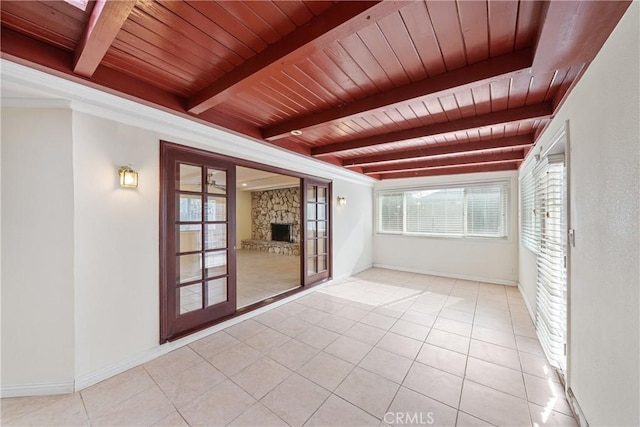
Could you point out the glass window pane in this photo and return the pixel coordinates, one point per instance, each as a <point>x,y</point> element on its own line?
<point>215,236</point>
<point>189,207</point>
<point>311,229</point>
<point>311,193</point>
<point>216,181</point>
<point>322,263</point>
<point>322,246</point>
<point>189,268</point>
<point>312,268</point>
<point>438,211</point>
<point>189,178</point>
<point>311,247</point>
<point>189,298</point>
<point>322,212</point>
<point>322,194</point>
<point>390,212</point>
<point>322,229</point>
<point>188,238</point>
<point>216,291</point>
<point>216,209</point>
<point>215,263</point>
<point>311,211</point>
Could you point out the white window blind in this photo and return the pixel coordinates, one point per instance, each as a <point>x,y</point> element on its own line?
<point>473,210</point>
<point>390,213</point>
<point>527,213</point>
<point>551,312</point>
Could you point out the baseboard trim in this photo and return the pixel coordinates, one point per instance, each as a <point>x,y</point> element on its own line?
<point>87,380</point>
<point>449,275</point>
<point>38,389</point>
<point>526,303</point>
<point>576,409</point>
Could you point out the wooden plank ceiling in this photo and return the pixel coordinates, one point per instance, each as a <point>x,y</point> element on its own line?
<point>389,89</point>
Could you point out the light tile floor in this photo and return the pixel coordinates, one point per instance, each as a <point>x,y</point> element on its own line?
<point>381,348</point>
<point>262,275</point>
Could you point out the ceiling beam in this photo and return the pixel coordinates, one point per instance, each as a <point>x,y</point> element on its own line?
<point>105,21</point>
<point>454,170</point>
<point>484,72</point>
<point>536,111</point>
<point>519,141</point>
<point>339,21</point>
<point>473,159</point>
<point>573,32</point>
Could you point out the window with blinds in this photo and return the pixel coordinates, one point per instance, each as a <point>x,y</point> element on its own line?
<point>473,210</point>
<point>551,300</point>
<point>527,212</point>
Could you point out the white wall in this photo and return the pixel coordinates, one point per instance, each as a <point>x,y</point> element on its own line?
<point>116,242</point>
<point>604,173</point>
<point>37,249</point>
<point>489,260</point>
<point>352,229</point>
<point>243,216</point>
<point>88,308</point>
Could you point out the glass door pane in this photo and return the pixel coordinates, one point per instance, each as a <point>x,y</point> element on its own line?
<point>198,284</point>
<point>317,208</point>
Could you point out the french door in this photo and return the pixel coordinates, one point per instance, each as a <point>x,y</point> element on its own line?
<point>317,231</point>
<point>197,236</point>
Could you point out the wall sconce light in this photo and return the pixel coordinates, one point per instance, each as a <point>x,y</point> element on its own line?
<point>342,201</point>
<point>128,177</point>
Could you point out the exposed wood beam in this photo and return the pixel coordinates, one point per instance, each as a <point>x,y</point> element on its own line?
<point>455,170</point>
<point>105,21</point>
<point>431,151</point>
<point>536,111</point>
<point>32,53</point>
<point>573,32</point>
<point>339,21</point>
<point>473,159</point>
<point>441,85</point>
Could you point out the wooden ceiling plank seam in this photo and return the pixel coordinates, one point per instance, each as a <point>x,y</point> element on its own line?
<point>482,99</point>
<point>444,19</point>
<point>450,107</point>
<point>573,32</point>
<point>299,97</point>
<point>341,19</point>
<point>379,47</point>
<point>503,17</point>
<point>421,113</point>
<point>22,25</point>
<point>279,98</point>
<point>367,62</point>
<point>155,58</point>
<point>169,49</point>
<point>307,83</point>
<point>528,23</point>
<point>573,75</point>
<point>556,82</point>
<point>499,95</point>
<point>270,104</point>
<point>462,159</point>
<point>474,25</point>
<point>104,24</point>
<point>69,10</point>
<point>538,87</point>
<point>280,21</point>
<point>304,87</point>
<point>351,70</point>
<point>492,119</point>
<point>416,19</point>
<point>41,14</point>
<point>441,149</point>
<point>518,89</point>
<point>441,85</point>
<point>455,170</point>
<point>177,37</point>
<point>228,23</point>
<point>122,62</point>
<point>465,102</point>
<point>298,15</point>
<point>317,7</point>
<point>329,76</point>
<point>259,26</point>
<point>401,43</point>
<point>193,32</point>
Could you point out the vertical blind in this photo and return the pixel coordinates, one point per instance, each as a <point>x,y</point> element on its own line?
<point>551,301</point>
<point>473,210</point>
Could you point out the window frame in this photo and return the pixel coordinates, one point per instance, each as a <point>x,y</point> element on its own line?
<point>507,219</point>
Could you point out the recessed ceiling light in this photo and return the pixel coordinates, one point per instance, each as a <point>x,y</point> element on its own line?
<point>296,132</point>
<point>244,184</point>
